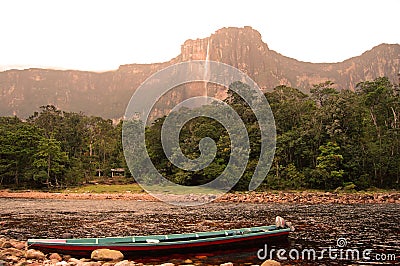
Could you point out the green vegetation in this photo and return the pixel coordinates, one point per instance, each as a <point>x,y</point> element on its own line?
<point>101,188</point>
<point>327,139</point>
<point>55,149</point>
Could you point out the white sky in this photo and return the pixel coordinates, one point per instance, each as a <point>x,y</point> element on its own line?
<point>101,35</point>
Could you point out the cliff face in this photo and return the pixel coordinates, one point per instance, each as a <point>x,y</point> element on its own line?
<point>107,94</point>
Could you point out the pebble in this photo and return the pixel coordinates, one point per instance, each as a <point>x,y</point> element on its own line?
<point>66,235</point>
<point>91,263</point>
<point>125,263</point>
<point>62,263</point>
<point>22,263</point>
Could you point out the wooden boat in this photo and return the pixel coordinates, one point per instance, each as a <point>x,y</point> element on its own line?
<point>165,244</point>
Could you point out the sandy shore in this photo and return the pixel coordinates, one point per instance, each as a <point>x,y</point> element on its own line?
<point>251,197</point>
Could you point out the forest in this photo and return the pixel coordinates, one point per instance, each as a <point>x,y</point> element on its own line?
<point>325,139</point>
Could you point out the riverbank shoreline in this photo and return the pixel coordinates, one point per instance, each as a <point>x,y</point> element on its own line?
<point>368,226</point>
<point>305,197</point>
<point>14,252</point>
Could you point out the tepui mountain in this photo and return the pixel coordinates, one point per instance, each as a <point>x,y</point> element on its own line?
<point>107,94</point>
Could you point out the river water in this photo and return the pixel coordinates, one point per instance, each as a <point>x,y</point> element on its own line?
<point>370,228</point>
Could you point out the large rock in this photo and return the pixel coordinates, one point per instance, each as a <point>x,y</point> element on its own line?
<point>6,244</point>
<point>12,259</point>
<point>34,254</point>
<point>11,252</point>
<point>106,94</point>
<point>55,256</point>
<point>107,254</point>
<point>270,263</point>
<point>18,244</point>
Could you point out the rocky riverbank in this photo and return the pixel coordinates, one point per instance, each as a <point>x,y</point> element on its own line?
<point>365,226</point>
<point>305,197</point>
<point>312,197</point>
<point>13,252</point>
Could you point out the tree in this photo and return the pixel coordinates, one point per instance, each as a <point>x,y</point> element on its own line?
<point>18,143</point>
<point>298,136</point>
<point>48,119</point>
<point>381,129</point>
<point>323,92</point>
<point>50,161</point>
<point>329,165</point>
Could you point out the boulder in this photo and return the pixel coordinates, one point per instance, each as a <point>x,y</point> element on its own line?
<point>12,259</point>
<point>6,244</point>
<point>18,244</point>
<point>11,252</point>
<point>270,263</point>
<point>107,255</point>
<point>55,256</point>
<point>34,254</point>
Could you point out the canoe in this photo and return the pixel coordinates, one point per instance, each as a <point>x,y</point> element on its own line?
<point>165,244</point>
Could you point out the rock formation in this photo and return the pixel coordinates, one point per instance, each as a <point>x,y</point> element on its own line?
<point>106,94</point>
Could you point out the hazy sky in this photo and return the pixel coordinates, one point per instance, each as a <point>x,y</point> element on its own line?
<point>101,35</point>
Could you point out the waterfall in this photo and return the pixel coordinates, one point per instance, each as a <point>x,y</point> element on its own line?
<point>206,70</point>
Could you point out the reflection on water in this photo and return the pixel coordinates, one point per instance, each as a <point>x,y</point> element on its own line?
<point>371,226</point>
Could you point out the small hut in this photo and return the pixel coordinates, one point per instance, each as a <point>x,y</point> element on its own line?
<point>117,172</point>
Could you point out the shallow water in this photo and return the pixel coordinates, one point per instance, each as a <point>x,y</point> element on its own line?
<point>371,226</point>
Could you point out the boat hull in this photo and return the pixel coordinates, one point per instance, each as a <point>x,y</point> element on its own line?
<point>133,249</point>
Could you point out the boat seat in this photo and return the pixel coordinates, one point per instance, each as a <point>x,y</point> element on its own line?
<point>153,241</point>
